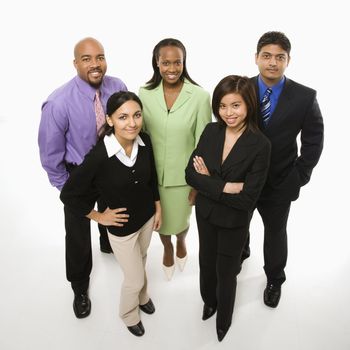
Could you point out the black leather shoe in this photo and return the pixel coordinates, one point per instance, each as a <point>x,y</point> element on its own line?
<point>208,312</point>
<point>272,295</point>
<point>141,327</point>
<point>81,305</point>
<point>221,333</point>
<point>148,308</point>
<point>106,250</point>
<point>137,329</point>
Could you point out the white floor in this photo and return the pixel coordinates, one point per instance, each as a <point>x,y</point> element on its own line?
<point>35,298</point>
<point>36,301</point>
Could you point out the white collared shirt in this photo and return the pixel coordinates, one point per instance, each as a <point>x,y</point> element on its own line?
<point>113,147</point>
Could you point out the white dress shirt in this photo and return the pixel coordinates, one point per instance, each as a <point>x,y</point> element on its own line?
<point>113,147</point>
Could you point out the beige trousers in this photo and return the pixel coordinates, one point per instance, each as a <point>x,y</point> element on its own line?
<point>131,253</point>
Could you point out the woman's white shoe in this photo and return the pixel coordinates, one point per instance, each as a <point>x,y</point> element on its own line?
<point>181,262</point>
<point>169,271</point>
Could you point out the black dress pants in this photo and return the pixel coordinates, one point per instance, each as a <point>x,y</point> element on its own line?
<point>78,245</point>
<point>275,217</point>
<point>78,249</point>
<point>220,251</point>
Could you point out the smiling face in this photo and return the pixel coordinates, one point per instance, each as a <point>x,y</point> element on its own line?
<point>90,61</point>
<point>233,110</point>
<point>272,61</point>
<point>170,63</point>
<point>127,122</point>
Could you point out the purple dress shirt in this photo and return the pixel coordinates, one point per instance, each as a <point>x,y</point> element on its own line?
<point>67,128</point>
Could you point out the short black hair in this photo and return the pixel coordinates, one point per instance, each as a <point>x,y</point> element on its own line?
<point>275,38</point>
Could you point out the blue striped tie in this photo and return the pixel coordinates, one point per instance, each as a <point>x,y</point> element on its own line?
<point>265,106</point>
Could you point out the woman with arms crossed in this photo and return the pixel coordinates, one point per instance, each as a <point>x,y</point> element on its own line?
<point>120,170</point>
<point>228,169</point>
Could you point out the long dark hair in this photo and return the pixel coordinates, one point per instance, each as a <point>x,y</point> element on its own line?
<point>238,85</point>
<point>114,102</point>
<point>156,78</point>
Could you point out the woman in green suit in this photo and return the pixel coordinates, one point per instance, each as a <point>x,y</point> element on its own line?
<point>176,110</point>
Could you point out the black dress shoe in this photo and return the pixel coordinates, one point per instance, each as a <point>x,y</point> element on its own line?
<point>106,250</point>
<point>81,305</point>
<point>148,308</point>
<point>272,295</point>
<point>221,333</point>
<point>141,327</point>
<point>137,329</point>
<point>208,312</point>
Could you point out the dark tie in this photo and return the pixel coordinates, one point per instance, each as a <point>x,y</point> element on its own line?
<point>265,106</point>
<point>100,114</point>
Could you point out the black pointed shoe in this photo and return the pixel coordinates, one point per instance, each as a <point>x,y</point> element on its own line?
<point>208,312</point>
<point>106,249</point>
<point>272,295</point>
<point>137,329</point>
<point>221,333</point>
<point>148,308</point>
<point>81,305</point>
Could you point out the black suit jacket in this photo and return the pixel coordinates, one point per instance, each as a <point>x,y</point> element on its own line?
<point>297,112</point>
<point>247,162</point>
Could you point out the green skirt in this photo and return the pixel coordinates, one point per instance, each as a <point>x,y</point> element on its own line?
<point>176,211</point>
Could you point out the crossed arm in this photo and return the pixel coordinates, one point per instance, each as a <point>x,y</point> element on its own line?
<point>201,168</point>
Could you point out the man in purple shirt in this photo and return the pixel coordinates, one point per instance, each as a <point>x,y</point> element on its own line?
<point>67,132</point>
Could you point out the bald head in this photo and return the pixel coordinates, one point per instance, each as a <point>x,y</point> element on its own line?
<point>89,61</point>
<point>80,45</point>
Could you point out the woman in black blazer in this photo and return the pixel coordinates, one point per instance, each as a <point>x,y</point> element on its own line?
<point>228,169</point>
<point>120,171</point>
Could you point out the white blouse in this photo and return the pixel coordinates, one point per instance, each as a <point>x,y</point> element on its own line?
<point>113,147</point>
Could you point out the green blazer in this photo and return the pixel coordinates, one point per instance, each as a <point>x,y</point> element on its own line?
<point>174,133</point>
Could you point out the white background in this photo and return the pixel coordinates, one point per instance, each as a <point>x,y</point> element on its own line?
<point>37,40</point>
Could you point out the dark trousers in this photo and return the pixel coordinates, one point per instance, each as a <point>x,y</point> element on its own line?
<point>104,241</point>
<point>275,217</point>
<point>220,251</point>
<point>78,249</point>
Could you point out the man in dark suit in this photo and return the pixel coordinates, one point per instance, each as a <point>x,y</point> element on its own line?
<point>287,109</point>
